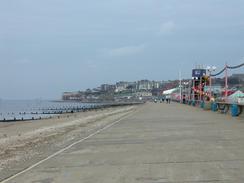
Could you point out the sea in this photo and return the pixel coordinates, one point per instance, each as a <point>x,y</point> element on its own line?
<point>13,110</point>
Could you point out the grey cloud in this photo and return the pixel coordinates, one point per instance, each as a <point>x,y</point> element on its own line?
<point>124,51</point>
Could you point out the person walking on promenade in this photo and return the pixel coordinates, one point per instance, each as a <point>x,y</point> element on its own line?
<point>168,99</point>
<point>163,98</point>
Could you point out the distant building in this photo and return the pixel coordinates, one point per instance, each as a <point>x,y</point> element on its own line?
<point>122,90</point>
<point>156,84</point>
<point>143,94</point>
<point>107,87</point>
<point>131,87</point>
<point>239,77</point>
<point>121,86</point>
<point>144,85</point>
<point>72,96</point>
<point>156,91</point>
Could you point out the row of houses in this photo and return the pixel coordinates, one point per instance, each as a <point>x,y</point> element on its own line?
<point>134,86</point>
<point>120,90</point>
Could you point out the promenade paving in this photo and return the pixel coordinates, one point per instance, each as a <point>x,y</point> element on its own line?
<point>159,143</point>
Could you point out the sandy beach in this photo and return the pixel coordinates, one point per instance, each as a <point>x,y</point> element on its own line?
<point>22,143</point>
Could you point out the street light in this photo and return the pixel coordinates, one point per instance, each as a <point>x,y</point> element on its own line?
<point>210,69</point>
<point>184,89</point>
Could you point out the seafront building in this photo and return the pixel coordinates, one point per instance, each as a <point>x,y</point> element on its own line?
<point>122,90</point>
<point>146,89</point>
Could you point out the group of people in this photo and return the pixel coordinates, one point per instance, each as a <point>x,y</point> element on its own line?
<point>167,98</point>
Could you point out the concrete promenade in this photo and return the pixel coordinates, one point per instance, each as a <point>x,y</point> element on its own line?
<point>158,143</point>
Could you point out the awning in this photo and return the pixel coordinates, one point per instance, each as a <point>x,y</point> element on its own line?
<point>168,92</point>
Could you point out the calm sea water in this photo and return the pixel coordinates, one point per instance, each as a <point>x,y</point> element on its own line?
<point>28,109</point>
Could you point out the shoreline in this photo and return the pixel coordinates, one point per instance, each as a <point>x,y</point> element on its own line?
<point>54,112</point>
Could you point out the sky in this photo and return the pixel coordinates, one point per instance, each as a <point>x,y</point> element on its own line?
<point>51,46</point>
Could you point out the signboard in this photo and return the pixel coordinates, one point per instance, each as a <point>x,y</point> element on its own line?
<point>197,73</point>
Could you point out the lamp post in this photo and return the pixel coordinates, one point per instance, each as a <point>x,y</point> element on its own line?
<point>180,85</point>
<point>184,88</point>
<point>226,82</point>
<point>189,90</point>
<point>210,69</point>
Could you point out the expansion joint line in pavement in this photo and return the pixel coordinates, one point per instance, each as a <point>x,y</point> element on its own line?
<point>66,148</point>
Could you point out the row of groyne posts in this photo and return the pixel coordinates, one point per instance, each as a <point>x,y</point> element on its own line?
<point>51,112</point>
<point>205,99</point>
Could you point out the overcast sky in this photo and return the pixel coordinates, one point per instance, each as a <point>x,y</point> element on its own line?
<point>51,46</point>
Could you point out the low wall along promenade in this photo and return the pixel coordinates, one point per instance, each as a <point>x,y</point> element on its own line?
<point>235,110</point>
